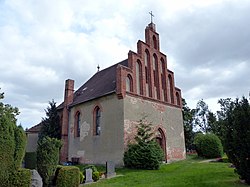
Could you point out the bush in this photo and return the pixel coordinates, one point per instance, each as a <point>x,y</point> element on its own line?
<point>208,146</point>
<point>68,176</point>
<point>12,147</point>
<point>94,169</point>
<point>145,153</point>
<point>30,160</point>
<point>58,167</point>
<point>22,178</point>
<point>96,176</point>
<point>146,156</point>
<point>47,158</point>
<point>81,178</point>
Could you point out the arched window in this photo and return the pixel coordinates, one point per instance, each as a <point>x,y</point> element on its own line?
<point>129,84</point>
<point>147,72</point>
<point>154,42</point>
<point>139,77</point>
<point>170,89</point>
<point>156,83</point>
<point>178,99</point>
<point>77,124</point>
<point>97,121</point>
<point>163,82</point>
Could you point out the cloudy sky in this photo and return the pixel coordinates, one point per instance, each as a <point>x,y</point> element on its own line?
<point>42,43</point>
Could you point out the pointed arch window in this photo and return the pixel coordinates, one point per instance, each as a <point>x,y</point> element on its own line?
<point>163,82</point>
<point>147,72</point>
<point>170,89</point>
<point>77,124</point>
<point>129,84</point>
<point>97,121</point>
<point>139,77</point>
<point>178,101</point>
<point>156,83</point>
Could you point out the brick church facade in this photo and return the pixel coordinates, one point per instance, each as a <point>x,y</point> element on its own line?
<point>99,119</point>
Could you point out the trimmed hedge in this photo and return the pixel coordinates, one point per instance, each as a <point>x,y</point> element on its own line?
<point>48,158</point>
<point>30,160</point>
<point>68,176</point>
<point>22,178</point>
<point>208,145</point>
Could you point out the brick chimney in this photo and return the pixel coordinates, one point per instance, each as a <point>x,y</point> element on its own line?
<point>68,99</point>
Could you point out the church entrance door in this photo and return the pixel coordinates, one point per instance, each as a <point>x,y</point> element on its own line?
<point>161,140</point>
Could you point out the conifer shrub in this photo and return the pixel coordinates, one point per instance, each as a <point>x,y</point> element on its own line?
<point>48,158</point>
<point>12,149</point>
<point>68,176</point>
<point>208,146</point>
<point>22,178</point>
<point>145,153</point>
<point>95,176</point>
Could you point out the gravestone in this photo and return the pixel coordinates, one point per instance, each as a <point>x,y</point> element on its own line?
<point>110,169</point>
<point>36,179</point>
<point>88,175</point>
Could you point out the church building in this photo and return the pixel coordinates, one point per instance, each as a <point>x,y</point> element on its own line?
<point>99,119</point>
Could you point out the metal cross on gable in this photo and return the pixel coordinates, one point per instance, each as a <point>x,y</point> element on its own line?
<point>152,15</point>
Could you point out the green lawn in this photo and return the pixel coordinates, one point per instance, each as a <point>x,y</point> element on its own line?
<point>190,172</point>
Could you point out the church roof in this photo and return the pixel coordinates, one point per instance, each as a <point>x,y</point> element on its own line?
<point>100,84</point>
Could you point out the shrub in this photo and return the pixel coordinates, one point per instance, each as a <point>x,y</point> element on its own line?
<point>145,153</point>
<point>208,146</point>
<point>197,142</point>
<point>96,176</point>
<point>47,158</point>
<point>68,176</point>
<point>12,147</point>
<point>30,160</point>
<point>22,178</point>
<point>94,169</point>
<point>58,167</point>
<point>81,177</point>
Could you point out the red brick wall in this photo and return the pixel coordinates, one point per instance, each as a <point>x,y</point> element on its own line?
<point>68,99</point>
<point>158,78</point>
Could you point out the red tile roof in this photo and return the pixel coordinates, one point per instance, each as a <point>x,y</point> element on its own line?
<point>100,84</point>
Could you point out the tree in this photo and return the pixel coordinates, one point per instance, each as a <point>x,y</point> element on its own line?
<point>237,136</point>
<point>12,143</point>
<point>205,120</point>
<point>51,124</point>
<point>188,118</point>
<point>145,153</point>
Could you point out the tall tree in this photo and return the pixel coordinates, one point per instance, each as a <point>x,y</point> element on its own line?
<point>204,118</point>
<point>237,136</point>
<point>51,124</point>
<point>188,118</point>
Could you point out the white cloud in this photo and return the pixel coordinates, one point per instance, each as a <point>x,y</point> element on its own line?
<point>45,42</point>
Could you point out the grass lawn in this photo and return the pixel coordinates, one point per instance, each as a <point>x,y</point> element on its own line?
<point>191,172</point>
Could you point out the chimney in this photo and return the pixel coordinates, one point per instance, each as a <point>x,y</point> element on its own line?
<point>68,99</point>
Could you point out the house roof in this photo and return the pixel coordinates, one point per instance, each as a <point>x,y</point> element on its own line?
<point>35,129</point>
<point>100,84</point>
